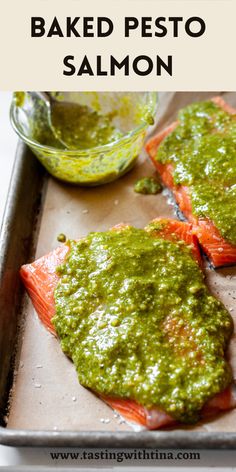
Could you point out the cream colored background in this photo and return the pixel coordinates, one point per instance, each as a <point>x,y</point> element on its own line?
<point>205,63</point>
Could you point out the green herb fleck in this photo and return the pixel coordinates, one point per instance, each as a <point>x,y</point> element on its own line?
<point>148,186</point>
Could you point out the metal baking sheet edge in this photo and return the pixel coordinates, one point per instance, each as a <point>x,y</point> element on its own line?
<point>17,241</point>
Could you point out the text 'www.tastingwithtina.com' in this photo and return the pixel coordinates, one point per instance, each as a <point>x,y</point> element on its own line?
<point>129,455</point>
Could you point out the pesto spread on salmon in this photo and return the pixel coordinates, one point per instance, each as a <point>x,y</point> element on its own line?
<point>202,149</point>
<point>135,316</point>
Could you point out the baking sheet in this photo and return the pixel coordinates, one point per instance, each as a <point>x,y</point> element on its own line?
<point>46,394</point>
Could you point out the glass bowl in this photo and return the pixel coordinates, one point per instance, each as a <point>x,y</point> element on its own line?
<point>132,114</point>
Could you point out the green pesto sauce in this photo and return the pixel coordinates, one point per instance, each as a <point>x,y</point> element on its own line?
<point>70,125</point>
<point>80,127</point>
<point>135,316</point>
<point>61,238</point>
<point>203,151</point>
<point>19,98</point>
<point>147,186</point>
<point>73,126</point>
<point>77,133</point>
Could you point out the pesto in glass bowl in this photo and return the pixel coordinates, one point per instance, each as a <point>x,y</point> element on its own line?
<point>109,133</point>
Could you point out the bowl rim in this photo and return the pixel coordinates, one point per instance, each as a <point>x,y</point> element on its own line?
<point>73,152</point>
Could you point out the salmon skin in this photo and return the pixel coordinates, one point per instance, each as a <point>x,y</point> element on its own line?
<point>156,419</point>
<point>220,252</point>
<point>40,279</point>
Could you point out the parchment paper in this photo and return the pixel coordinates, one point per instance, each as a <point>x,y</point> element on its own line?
<point>46,393</point>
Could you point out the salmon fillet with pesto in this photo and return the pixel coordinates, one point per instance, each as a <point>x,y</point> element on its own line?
<point>196,158</point>
<point>132,310</point>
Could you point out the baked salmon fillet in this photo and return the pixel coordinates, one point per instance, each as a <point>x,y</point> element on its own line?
<point>196,159</point>
<point>133,312</point>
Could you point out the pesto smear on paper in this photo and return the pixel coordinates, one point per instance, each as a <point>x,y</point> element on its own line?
<point>147,186</point>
